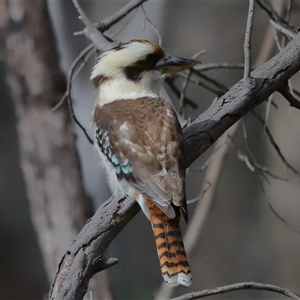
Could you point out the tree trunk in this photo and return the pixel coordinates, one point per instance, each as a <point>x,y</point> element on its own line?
<point>49,159</point>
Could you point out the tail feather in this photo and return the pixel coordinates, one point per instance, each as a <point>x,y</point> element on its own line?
<point>171,253</point>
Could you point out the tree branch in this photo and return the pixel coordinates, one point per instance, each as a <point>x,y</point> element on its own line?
<point>118,15</point>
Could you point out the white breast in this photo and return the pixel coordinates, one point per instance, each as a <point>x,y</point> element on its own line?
<point>121,88</point>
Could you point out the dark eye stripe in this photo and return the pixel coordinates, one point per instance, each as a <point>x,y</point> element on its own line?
<point>151,59</point>
<point>134,71</point>
<point>121,167</point>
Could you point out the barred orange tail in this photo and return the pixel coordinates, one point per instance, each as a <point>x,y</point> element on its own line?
<point>171,253</point>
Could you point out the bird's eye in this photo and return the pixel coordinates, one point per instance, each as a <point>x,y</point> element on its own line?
<point>150,59</point>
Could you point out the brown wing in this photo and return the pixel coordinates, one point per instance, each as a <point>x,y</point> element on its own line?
<point>143,140</point>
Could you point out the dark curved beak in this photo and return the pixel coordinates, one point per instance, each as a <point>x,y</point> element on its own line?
<point>175,64</point>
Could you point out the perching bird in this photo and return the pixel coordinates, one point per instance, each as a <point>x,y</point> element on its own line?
<point>140,142</point>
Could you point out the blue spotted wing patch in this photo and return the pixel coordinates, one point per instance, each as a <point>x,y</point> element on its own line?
<point>120,163</point>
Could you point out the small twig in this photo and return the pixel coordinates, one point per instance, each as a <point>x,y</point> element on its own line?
<point>91,295</point>
<point>211,66</point>
<point>93,34</point>
<point>278,216</point>
<point>176,91</point>
<point>209,83</point>
<point>82,57</point>
<point>289,11</point>
<point>217,147</point>
<point>283,29</point>
<point>268,109</point>
<point>79,58</point>
<point>236,287</point>
<point>76,120</point>
<point>200,196</point>
<point>153,26</point>
<point>283,220</point>
<point>83,17</point>
<point>117,16</point>
<point>204,83</point>
<point>286,16</point>
<point>274,144</point>
<point>264,170</point>
<point>245,134</point>
<point>247,43</point>
<point>182,95</point>
<point>218,84</point>
<point>295,92</point>
<point>240,155</point>
<point>285,92</point>
<point>291,91</point>
<point>252,162</point>
<point>266,6</point>
<point>276,38</point>
<point>253,165</point>
<point>182,103</point>
<point>199,53</point>
<point>120,28</point>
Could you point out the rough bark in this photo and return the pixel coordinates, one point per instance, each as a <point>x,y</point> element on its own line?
<point>85,256</point>
<point>49,159</point>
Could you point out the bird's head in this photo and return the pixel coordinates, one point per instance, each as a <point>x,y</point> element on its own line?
<point>137,68</point>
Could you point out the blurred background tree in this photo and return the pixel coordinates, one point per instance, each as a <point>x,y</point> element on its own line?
<point>241,240</point>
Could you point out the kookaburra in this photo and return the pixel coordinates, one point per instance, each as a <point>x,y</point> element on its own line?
<point>140,142</point>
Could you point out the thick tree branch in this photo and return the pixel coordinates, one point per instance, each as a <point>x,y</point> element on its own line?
<point>111,217</point>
